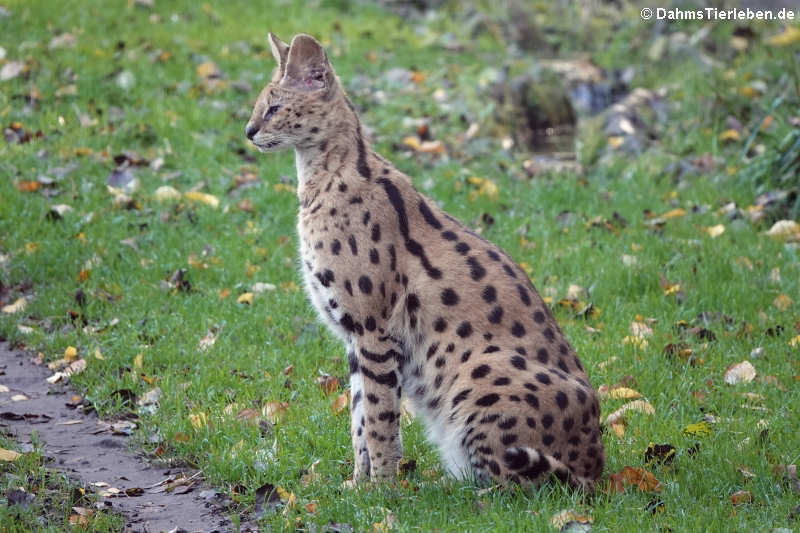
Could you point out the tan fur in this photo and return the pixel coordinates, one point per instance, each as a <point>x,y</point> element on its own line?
<point>430,311</point>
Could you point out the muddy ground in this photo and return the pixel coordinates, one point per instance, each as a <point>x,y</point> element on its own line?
<point>98,455</point>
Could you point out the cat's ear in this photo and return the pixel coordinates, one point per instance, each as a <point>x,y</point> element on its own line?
<point>280,51</point>
<point>307,66</point>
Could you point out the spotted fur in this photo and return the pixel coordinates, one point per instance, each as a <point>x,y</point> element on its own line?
<point>431,313</point>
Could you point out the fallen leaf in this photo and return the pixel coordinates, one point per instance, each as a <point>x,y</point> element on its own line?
<point>165,193</point>
<point>19,398</point>
<point>329,384</point>
<point>641,406</point>
<point>637,477</point>
<point>16,307</point>
<point>11,70</point>
<point>198,420</point>
<point>203,198</point>
<point>715,231</point>
<point>743,372</point>
<point>274,411</point>
<point>675,213</point>
<point>245,298</point>
<point>742,496</point>
<point>561,519</point>
<point>782,302</point>
<point>340,402</point>
<point>784,230</point>
<point>698,429</point>
<point>640,329</point>
<point>9,455</point>
<point>98,354</point>
<point>659,453</point>
<point>730,135</point>
<point>790,35</point>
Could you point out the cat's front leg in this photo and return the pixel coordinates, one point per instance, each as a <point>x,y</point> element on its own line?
<point>358,433</point>
<point>375,407</point>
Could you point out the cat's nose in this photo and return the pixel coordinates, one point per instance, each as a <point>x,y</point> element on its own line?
<point>250,131</point>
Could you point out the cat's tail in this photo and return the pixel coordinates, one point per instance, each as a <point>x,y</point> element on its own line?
<point>533,466</point>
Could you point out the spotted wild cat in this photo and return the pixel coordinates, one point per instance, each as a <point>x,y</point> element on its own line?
<point>430,311</point>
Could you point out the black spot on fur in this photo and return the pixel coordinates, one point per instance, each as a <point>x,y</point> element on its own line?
<point>487,400</point>
<point>374,258</point>
<point>547,421</point>
<point>518,362</point>
<point>476,270</point>
<point>325,278</point>
<point>538,317</point>
<point>361,164</point>
<point>532,400</point>
<point>449,297</point>
<point>518,330</point>
<point>543,378</point>
<point>561,400</point>
<point>365,285</point>
<point>353,246</point>
<point>428,215</point>
<point>462,248</point>
<point>376,232</point>
<point>461,396</point>
<point>523,294</point>
<point>542,355</point>
<point>495,315</point>
<point>481,371</point>
<point>440,325</point>
<point>449,236</point>
<point>336,247</point>
<point>489,294</point>
<point>501,382</point>
<point>491,349</point>
<point>465,356</point>
<point>464,330</point>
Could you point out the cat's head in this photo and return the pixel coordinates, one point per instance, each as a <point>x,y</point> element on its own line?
<point>290,108</point>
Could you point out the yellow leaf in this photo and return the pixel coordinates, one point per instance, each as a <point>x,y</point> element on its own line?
<point>675,213</point>
<point>715,231</point>
<point>782,302</point>
<point>730,135</point>
<point>794,342</point>
<point>16,307</point>
<point>412,141</point>
<point>98,354</point>
<point>166,193</point>
<point>31,247</point>
<point>70,354</point>
<point>698,429</point>
<point>208,69</point>
<point>637,342</point>
<point>138,361</point>
<point>9,455</point>
<point>789,36</point>
<point>785,229</point>
<point>284,187</point>
<point>641,406</point>
<point>618,428</point>
<point>624,393</point>
<point>203,198</point>
<point>245,298</point>
<point>198,420</point>
<point>615,141</point>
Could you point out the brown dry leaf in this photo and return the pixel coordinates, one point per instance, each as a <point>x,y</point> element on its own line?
<point>637,477</point>
<point>743,372</point>
<point>207,341</point>
<point>329,384</point>
<point>224,293</point>
<point>9,455</point>
<point>742,496</point>
<point>274,411</point>
<point>288,371</point>
<point>340,402</point>
<point>675,213</point>
<point>641,406</point>
<point>782,302</point>
<point>311,507</point>
<point>249,415</point>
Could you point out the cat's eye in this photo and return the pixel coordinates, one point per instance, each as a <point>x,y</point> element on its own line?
<point>271,111</point>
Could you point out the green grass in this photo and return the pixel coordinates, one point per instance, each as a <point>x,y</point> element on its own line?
<point>198,132</point>
<point>36,498</point>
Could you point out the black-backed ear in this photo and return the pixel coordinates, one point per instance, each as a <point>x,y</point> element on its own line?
<point>307,66</point>
<point>280,51</point>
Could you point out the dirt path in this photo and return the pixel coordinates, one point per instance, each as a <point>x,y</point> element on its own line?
<point>86,449</point>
